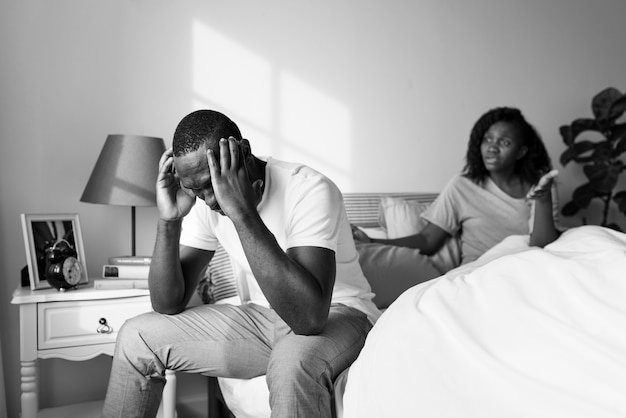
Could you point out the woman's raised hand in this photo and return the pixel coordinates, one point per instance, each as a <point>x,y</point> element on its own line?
<point>543,186</point>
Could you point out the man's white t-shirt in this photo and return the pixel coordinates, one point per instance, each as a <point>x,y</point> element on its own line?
<point>302,208</point>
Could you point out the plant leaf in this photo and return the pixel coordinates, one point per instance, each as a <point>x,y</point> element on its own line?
<point>583,194</point>
<point>602,178</point>
<point>617,133</point>
<point>595,172</point>
<point>575,151</point>
<point>618,108</point>
<point>566,134</point>
<point>620,199</point>
<point>569,133</point>
<point>584,124</point>
<point>570,209</point>
<point>600,157</point>
<point>602,102</point>
<point>602,152</point>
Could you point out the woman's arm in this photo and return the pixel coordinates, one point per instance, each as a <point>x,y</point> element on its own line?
<point>429,240</point>
<point>544,231</point>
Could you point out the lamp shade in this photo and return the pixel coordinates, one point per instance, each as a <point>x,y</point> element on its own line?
<point>126,171</point>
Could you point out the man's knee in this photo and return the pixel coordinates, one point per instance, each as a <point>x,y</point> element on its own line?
<point>296,359</point>
<point>299,379</point>
<point>137,337</point>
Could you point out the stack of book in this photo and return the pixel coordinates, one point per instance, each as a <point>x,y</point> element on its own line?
<point>125,272</point>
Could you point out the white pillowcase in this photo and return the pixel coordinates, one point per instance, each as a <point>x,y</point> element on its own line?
<point>376,233</point>
<point>401,217</point>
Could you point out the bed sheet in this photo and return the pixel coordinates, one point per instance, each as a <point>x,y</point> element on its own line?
<point>520,332</point>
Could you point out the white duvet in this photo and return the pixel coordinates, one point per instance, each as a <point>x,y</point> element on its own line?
<point>521,332</point>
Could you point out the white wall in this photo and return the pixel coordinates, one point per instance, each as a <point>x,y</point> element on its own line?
<point>380,95</point>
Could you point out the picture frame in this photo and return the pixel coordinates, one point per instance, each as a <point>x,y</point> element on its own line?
<point>42,231</point>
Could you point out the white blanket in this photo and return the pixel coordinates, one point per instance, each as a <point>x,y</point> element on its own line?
<point>521,332</point>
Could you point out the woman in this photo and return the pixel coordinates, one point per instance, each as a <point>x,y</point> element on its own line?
<point>498,193</point>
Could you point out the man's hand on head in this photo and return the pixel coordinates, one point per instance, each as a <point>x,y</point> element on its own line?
<point>235,193</point>
<point>173,201</point>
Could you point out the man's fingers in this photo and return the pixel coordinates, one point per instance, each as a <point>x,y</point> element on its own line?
<point>224,155</point>
<point>214,167</point>
<point>168,154</point>
<point>235,150</point>
<point>166,168</point>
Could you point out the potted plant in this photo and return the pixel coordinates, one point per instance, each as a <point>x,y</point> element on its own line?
<point>598,144</point>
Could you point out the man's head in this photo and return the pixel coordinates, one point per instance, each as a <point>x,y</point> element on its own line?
<point>203,127</point>
<point>195,134</point>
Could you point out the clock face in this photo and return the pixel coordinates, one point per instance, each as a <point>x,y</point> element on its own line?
<point>72,270</point>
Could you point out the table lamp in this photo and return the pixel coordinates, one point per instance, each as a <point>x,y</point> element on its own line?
<point>125,174</point>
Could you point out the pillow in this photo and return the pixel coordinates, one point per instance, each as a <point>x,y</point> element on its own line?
<point>390,270</point>
<point>402,217</point>
<point>377,233</point>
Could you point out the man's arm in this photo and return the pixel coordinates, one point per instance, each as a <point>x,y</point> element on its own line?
<point>174,270</point>
<point>297,283</point>
<point>429,240</point>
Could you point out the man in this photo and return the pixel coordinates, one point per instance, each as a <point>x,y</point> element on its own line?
<point>306,306</point>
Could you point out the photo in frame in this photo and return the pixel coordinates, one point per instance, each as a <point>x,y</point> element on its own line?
<point>45,231</point>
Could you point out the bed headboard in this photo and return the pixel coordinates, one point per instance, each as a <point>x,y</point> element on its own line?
<point>363,208</point>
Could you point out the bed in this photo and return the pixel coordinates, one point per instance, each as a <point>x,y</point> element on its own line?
<point>390,271</point>
<point>521,332</point>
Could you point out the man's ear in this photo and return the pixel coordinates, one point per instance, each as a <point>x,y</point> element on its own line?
<point>245,147</point>
<point>257,186</point>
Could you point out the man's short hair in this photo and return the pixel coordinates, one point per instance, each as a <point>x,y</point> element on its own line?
<point>202,127</point>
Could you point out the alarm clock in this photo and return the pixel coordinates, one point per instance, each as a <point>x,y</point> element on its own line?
<point>63,270</point>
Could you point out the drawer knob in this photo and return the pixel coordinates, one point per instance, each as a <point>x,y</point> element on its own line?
<point>104,328</point>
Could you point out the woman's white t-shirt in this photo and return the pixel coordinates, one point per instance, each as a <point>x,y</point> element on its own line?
<point>483,214</point>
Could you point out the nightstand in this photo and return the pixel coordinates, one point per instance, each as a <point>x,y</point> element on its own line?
<point>67,325</point>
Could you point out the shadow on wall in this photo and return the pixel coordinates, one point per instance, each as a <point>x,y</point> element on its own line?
<point>277,116</point>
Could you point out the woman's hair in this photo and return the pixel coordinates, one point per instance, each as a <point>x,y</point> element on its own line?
<point>529,168</point>
<point>200,127</point>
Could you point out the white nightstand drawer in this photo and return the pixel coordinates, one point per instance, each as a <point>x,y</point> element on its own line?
<point>75,323</point>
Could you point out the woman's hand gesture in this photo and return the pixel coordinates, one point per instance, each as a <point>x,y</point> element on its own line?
<point>543,186</point>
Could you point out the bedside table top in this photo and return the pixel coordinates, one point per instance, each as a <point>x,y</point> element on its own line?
<point>23,295</point>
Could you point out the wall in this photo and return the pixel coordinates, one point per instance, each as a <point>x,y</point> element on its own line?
<point>379,95</point>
